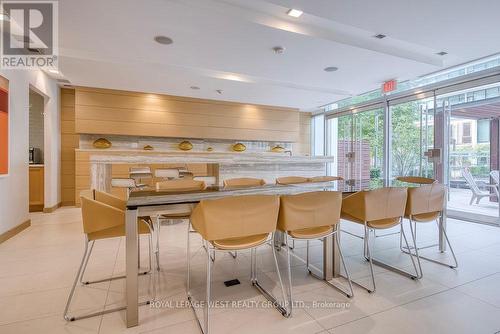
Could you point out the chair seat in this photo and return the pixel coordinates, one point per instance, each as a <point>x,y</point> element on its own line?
<point>240,243</point>
<point>379,224</point>
<point>425,217</point>
<point>311,233</point>
<point>118,231</point>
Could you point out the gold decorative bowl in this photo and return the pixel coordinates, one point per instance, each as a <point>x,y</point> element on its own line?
<point>148,148</point>
<point>278,149</point>
<point>101,143</point>
<point>185,146</point>
<point>239,147</point>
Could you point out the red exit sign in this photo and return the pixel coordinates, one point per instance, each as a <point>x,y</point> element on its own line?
<point>389,86</point>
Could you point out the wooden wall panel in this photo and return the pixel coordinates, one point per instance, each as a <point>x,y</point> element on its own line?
<point>304,143</point>
<point>102,111</point>
<point>69,141</point>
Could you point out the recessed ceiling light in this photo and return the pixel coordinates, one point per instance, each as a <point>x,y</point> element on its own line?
<point>54,71</point>
<point>194,87</point>
<point>442,53</point>
<point>380,36</point>
<point>330,69</point>
<point>294,12</point>
<point>278,49</point>
<point>163,40</point>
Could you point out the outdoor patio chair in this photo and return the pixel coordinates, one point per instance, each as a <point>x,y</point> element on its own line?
<point>477,193</point>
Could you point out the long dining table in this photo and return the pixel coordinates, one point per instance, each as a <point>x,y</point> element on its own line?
<point>150,202</point>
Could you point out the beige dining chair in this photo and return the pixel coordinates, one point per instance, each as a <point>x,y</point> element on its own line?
<point>103,217</point>
<point>311,216</point>
<point>243,182</point>
<point>426,204</point>
<point>416,179</point>
<point>325,178</point>
<point>291,180</point>
<point>232,224</point>
<point>179,211</point>
<point>378,209</point>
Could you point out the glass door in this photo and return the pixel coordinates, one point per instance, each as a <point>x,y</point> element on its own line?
<point>473,152</point>
<point>412,140</point>
<point>357,141</point>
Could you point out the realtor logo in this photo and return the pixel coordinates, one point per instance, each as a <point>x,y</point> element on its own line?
<point>29,34</point>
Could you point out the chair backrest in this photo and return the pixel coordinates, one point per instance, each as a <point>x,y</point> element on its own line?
<point>311,209</point>
<point>109,199</point>
<point>243,182</point>
<point>325,178</point>
<point>495,176</point>
<point>470,181</point>
<point>291,180</point>
<point>167,173</point>
<point>237,216</point>
<point>88,193</point>
<point>425,199</point>
<point>416,179</point>
<point>97,216</point>
<point>180,185</point>
<point>377,204</point>
<point>123,183</point>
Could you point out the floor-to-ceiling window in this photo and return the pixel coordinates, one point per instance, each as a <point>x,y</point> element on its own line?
<point>447,131</point>
<point>412,135</point>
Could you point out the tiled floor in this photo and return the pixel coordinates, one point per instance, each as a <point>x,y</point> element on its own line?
<point>38,267</point>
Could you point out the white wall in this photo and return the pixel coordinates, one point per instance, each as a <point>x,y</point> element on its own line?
<point>14,187</point>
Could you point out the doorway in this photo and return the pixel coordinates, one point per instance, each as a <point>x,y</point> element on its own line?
<point>36,151</point>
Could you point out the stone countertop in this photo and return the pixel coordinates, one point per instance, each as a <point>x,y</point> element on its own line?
<point>140,156</point>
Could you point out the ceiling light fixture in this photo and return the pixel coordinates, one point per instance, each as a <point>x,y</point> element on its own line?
<point>380,36</point>
<point>330,69</point>
<point>294,12</point>
<point>163,40</point>
<point>219,91</point>
<point>194,87</point>
<point>279,50</point>
<point>442,53</point>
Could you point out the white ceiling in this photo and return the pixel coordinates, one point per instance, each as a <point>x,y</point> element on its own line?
<point>227,44</point>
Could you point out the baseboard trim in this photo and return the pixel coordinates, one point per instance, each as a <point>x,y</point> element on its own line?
<point>52,208</point>
<point>15,230</point>
<point>68,203</point>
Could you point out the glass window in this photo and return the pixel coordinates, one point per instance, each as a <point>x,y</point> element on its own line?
<point>318,135</point>
<point>483,131</point>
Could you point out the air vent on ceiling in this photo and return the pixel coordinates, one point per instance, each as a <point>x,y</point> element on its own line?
<point>380,36</point>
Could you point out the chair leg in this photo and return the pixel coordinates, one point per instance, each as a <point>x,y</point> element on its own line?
<point>397,270</point>
<point>255,282</point>
<point>414,237</point>
<point>370,260</point>
<point>72,292</point>
<point>86,262</point>
<point>289,269</point>
<point>209,292</point>
<point>157,252</point>
<point>472,199</point>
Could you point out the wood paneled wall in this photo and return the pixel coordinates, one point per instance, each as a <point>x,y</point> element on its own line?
<point>103,111</point>
<point>69,141</point>
<point>304,144</point>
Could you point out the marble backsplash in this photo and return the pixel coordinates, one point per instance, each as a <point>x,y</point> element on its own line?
<point>171,144</point>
